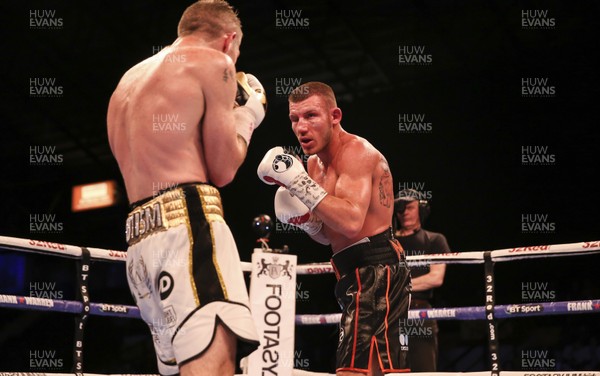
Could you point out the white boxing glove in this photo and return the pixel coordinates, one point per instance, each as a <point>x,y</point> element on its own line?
<point>289,209</point>
<point>250,105</point>
<point>279,167</point>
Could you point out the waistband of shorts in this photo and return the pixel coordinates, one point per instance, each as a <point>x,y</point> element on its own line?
<point>377,251</point>
<point>169,209</point>
<point>141,202</point>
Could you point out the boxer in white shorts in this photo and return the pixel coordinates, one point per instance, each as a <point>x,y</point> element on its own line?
<point>185,115</point>
<point>179,245</point>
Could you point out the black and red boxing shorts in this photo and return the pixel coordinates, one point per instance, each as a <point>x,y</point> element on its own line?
<point>373,290</point>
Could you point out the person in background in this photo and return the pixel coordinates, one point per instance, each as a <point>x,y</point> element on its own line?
<point>410,212</point>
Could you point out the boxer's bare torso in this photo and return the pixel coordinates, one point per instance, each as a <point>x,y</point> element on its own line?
<point>361,174</point>
<point>168,113</point>
<point>356,176</point>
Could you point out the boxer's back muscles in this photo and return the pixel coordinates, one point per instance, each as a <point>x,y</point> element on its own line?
<point>167,114</point>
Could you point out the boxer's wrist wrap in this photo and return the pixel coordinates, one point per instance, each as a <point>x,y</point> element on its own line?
<point>313,225</point>
<point>307,190</point>
<point>245,121</point>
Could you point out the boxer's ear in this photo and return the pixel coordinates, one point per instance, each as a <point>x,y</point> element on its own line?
<point>228,42</point>
<point>336,115</point>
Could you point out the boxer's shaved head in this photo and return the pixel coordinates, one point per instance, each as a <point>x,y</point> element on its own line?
<point>310,89</point>
<point>210,17</point>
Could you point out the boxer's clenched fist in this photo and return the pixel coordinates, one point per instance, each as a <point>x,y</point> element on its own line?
<point>250,104</point>
<point>289,209</point>
<point>279,167</point>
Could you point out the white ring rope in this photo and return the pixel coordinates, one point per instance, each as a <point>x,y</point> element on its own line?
<point>471,313</point>
<point>59,249</point>
<point>472,257</point>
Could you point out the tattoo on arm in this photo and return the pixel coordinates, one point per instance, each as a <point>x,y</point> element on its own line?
<point>227,75</point>
<point>384,183</point>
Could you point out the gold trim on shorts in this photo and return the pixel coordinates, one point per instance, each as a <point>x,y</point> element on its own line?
<point>211,206</point>
<point>169,210</point>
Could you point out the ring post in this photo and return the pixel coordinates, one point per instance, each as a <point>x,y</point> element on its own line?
<point>83,272</point>
<point>490,303</point>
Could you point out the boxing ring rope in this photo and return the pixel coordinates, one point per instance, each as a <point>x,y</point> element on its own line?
<point>490,311</point>
<point>458,313</point>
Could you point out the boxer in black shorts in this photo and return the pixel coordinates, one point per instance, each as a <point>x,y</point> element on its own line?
<point>344,199</point>
<point>373,278</point>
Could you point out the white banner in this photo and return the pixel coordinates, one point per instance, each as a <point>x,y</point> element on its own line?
<point>273,304</point>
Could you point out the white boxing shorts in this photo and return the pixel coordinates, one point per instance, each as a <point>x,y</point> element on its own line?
<point>185,275</point>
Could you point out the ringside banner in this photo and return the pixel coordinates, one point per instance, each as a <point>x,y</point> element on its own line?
<point>273,304</point>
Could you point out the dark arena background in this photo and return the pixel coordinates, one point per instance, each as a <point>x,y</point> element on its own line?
<point>489,107</point>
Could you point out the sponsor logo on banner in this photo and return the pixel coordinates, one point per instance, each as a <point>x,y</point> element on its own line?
<point>8,299</point>
<point>40,302</point>
<point>524,308</point>
<point>49,245</point>
<point>591,245</point>
<point>319,270</point>
<point>274,269</point>
<point>530,249</point>
<point>582,306</point>
<point>115,308</point>
<point>441,313</point>
<point>117,254</point>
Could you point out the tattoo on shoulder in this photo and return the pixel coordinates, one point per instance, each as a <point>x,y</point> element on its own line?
<point>385,183</point>
<point>227,75</point>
